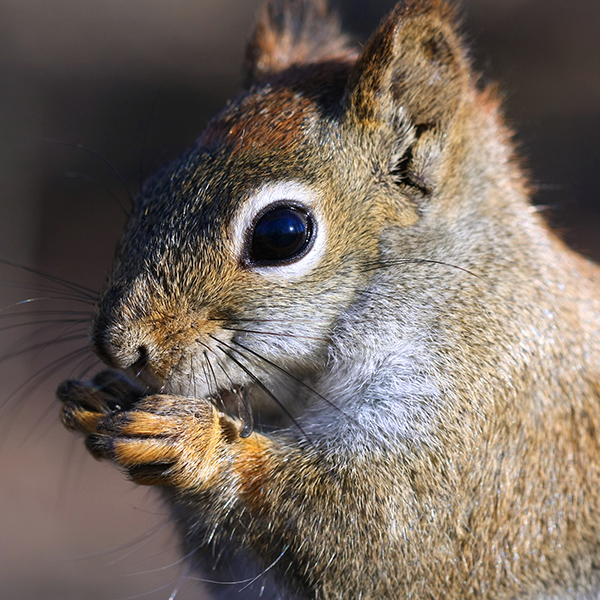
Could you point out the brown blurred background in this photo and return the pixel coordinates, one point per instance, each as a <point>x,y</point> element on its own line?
<point>134,81</point>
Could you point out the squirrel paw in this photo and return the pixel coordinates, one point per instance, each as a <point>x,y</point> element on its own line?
<point>86,402</point>
<point>159,443</point>
<point>157,440</point>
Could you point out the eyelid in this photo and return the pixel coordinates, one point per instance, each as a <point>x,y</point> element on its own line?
<point>260,199</point>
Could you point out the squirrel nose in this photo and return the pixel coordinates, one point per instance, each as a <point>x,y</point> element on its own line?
<point>119,345</point>
<point>123,353</point>
<point>113,347</point>
<point>136,332</point>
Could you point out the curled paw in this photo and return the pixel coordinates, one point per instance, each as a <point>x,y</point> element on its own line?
<point>161,440</point>
<point>86,402</point>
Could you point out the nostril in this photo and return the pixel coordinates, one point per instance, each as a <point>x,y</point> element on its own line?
<point>141,363</point>
<point>117,347</point>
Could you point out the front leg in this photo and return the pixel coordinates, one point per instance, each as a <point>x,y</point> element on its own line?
<point>279,499</point>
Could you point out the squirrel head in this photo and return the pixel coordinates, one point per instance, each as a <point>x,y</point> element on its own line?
<point>242,257</point>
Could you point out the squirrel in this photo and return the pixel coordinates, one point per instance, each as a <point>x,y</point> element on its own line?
<point>342,344</point>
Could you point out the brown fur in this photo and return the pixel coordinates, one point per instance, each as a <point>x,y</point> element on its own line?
<point>294,32</point>
<point>494,489</point>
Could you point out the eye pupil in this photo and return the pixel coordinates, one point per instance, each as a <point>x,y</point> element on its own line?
<point>281,234</point>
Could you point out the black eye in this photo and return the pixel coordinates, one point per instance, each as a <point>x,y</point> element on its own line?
<point>280,235</point>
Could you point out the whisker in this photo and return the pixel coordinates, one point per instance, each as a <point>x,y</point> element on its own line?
<point>25,304</point>
<point>41,418</point>
<point>46,322</point>
<point>12,408</point>
<point>37,379</point>
<point>248,581</point>
<point>232,385</point>
<point>193,377</point>
<point>294,378</point>
<point>131,547</point>
<point>253,320</point>
<point>208,382</point>
<point>180,580</point>
<point>220,365</point>
<point>175,563</point>
<point>265,570</point>
<point>75,369</point>
<point>146,594</point>
<point>259,383</point>
<point>84,291</point>
<point>274,333</point>
<point>40,313</point>
<point>59,294</point>
<point>375,265</point>
<point>245,412</point>
<point>79,329</point>
<point>93,362</point>
<point>89,179</point>
<point>41,346</point>
<point>99,157</point>
<point>213,378</point>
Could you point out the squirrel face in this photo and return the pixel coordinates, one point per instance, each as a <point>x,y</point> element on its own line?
<point>190,269</point>
<point>336,147</point>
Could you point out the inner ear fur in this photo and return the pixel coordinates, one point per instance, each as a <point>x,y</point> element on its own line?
<point>294,32</point>
<point>414,64</point>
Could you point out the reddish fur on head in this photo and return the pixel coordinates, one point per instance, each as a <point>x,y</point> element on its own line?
<point>294,33</point>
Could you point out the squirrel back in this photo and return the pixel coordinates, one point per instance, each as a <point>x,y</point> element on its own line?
<point>349,253</point>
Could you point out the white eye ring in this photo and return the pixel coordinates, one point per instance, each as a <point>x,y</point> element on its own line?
<point>290,192</point>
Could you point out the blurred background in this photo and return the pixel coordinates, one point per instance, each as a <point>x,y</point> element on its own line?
<point>89,89</point>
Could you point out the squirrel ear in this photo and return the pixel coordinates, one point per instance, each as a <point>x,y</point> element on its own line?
<point>415,61</point>
<point>294,32</point>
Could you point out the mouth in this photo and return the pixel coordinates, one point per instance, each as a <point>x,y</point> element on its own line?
<point>232,400</point>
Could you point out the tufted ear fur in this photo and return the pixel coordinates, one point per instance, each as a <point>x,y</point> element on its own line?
<point>294,32</point>
<point>414,62</point>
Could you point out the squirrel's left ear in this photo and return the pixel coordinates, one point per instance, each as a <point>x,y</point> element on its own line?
<point>414,63</point>
<point>294,32</point>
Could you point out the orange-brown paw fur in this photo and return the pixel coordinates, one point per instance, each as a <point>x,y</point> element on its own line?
<point>161,442</point>
<point>86,402</point>
<point>157,440</point>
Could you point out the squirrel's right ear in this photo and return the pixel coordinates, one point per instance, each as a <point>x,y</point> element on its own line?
<point>414,63</point>
<point>294,32</point>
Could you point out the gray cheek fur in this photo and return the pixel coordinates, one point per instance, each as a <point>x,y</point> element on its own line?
<point>381,375</point>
